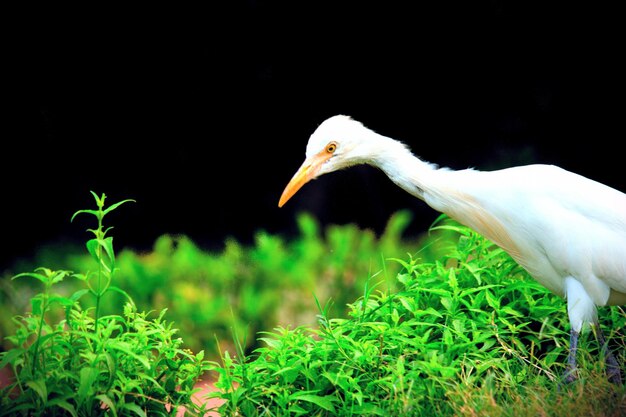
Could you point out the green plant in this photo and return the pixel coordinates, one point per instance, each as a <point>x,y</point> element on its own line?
<point>468,334</point>
<point>91,364</point>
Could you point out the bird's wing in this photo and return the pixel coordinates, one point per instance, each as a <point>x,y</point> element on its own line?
<point>553,222</point>
<point>594,215</point>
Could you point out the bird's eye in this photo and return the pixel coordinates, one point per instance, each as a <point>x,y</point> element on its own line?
<point>331,147</point>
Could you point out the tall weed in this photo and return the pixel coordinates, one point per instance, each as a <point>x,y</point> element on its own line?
<point>88,363</point>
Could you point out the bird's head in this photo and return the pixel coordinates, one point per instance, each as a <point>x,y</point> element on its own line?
<point>339,142</point>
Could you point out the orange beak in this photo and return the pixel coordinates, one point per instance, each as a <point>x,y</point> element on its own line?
<point>307,172</point>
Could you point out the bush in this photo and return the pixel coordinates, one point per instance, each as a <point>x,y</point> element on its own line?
<point>462,336</point>
<point>88,363</point>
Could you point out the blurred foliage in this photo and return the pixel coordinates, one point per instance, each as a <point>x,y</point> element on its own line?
<point>242,290</point>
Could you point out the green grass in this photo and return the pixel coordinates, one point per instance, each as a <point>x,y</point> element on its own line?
<point>470,334</point>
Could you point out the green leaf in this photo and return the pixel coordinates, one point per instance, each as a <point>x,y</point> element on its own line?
<point>40,277</point>
<point>472,290</point>
<point>289,374</point>
<point>116,205</point>
<point>452,281</point>
<point>428,312</point>
<point>135,409</point>
<point>125,347</point>
<point>510,311</point>
<point>325,402</point>
<point>395,317</point>
<point>492,300</point>
<point>106,400</point>
<point>81,277</point>
<point>94,212</point>
<point>10,356</point>
<point>368,409</point>
<point>92,248</point>
<point>88,376</point>
<point>78,294</point>
<point>59,402</point>
<point>124,293</point>
<point>36,305</point>
<point>107,244</point>
<point>64,301</point>
<point>447,303</point>
<point>39,386</point>
<point>16,410</point>
<point>58,276</point>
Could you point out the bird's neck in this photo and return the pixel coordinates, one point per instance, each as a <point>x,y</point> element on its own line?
<point>406,170</point>
<point>445,190</point>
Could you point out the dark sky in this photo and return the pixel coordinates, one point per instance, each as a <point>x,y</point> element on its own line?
<point>202,114</point>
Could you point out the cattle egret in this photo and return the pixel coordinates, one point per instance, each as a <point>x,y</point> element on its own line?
<point>567,231</point>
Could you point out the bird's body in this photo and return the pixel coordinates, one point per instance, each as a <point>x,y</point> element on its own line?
<point>567,231</point>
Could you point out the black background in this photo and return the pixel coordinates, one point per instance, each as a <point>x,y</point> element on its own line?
<point>202,114</point>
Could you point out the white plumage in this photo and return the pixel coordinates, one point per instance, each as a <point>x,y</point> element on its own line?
<point>567,231</point>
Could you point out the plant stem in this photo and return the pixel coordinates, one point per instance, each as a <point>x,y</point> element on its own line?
<point>44,305</point>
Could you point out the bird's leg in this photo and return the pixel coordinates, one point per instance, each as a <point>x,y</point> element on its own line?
<point>612,366</point>
<point>570,371</point>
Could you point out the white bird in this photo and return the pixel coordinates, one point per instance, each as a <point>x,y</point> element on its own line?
<point>567,231</point>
